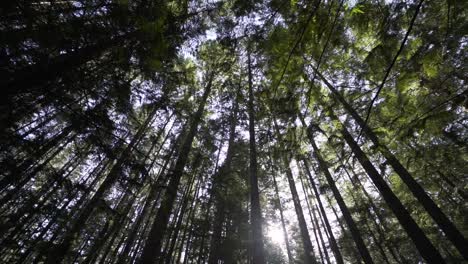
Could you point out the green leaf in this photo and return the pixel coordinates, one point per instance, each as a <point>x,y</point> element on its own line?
<point>357,10</point>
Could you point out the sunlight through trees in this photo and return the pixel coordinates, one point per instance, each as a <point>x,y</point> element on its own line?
<point>237,131</point>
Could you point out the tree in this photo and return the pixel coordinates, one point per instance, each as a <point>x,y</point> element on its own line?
<point>177,131</point>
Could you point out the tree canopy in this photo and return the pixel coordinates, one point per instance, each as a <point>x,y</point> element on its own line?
<point>233,131</point>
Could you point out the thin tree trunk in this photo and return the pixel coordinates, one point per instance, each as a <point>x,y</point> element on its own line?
<point>333,244</point>
<point>315,223</point>
<point>57,254</point>
<point>188,222</point>
<point>306,242</point>
<point>344,209</point>
<point>219,187</point>
<point>201,253</point>
<point>381,225</point>
<point>178,225</point>
<point>424,245</point>
<point>258,256</point>
<point>444,223</point>
<point>283,224</point>
<point>308,248</point>
<point>152,248</point>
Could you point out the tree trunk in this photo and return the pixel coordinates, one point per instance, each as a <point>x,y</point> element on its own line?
<point>152,248</point>
<point>283,224</point>
<point>315,223</point>
<point>57,254</point>
<point>219,187</point>
<point>344,209</point>
<point>258,256</point>
<point>188,222</point>
<point>450,230</point>
<point>178,225</point>
<point>308,248</point>
<point>423,244</point>
<point>333,244</point>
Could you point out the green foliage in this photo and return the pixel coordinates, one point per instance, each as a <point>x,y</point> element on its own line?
<point>99,97</point>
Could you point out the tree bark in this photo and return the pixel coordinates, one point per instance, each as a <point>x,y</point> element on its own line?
<point>344,209</point>
<point>283,224</point>
<point>57,254</point>
<point>152,248</point>
<point>423,244</point>
<point>258,255</point>
<point>178,225</point>
<point>315,223</point>
<point>333,244</point>
<point>444,223</point>
<point>219,187</point>
<point>306,242</point>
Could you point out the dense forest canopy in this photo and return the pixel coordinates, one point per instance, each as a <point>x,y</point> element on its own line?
<point>233,131</point>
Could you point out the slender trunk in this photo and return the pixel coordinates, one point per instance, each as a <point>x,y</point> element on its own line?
<point>315,223</point>
<point>191,227</point>
<point>112,226</point>
<point>308,248</point>
<point>201,253</point>
<point>152,248</point>
<point>444,223</point>
<point>333,244</point>
<point>219,188</point>
<point>423,244</point>
<point>258,256</point>
<point>215,244</point>
<point>19,175</point>
<point>377,242</point>
<point>381,226</point>
<point>57,254</point>
<point>201,250</point>
<point>367,208</point>
<point>344,209</point>
<point>306,242</point>
<point>35,203</point>
<point>283,224</point>
<point>189,221</point>
<point>153,197</point>
<point>178,225</point>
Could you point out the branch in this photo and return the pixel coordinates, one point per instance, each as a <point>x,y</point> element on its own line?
<point>390,67</point>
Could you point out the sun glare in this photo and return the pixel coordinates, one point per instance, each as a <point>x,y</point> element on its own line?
<point>275,233</point>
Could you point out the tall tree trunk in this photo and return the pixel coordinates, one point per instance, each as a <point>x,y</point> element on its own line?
<point>380,225</point>
<point>152,248</point>
<point>219,187</point>
<point>57,254</point>
<point>364,253</point>
<point>333,244</point>
<point>313,218</point>
<point>187,227</point>
<point>201,253</point>
<point>308,248</point>
<point>178,225</point>
<point>423,244</point>
<point>425,247</point>
<point>306,242</point>
<point>258,256</point>
<point>344,209</point>
<point>153,197</point>
<point>283,224</point>
<point>444,223</point>
<point>20,174</point>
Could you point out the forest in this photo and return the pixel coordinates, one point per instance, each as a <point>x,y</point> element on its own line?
<point>234,131</point>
